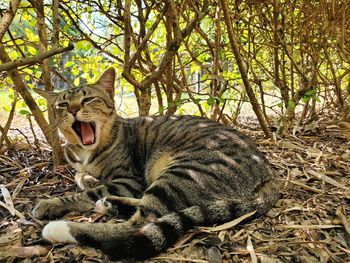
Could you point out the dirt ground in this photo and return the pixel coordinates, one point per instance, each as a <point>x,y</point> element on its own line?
<point>310,222</point>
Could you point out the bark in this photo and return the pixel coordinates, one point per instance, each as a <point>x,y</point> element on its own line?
<point>306,84</point>
<point>21,88</point>
<point>277,62</point>
<point>8,17</point>
<point>234,45</point>
<point>215,83</point>
<point>55,22</point>
<point>172,48</point>
<point>171,19</point>
<point>5,129</point>
<point>46,78</point>
<point>185,84</point>
<point>35,59</point>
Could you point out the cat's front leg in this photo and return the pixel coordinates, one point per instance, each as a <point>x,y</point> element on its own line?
<point>85,181</point>
<point>116,205</point>
<point>59,206</point>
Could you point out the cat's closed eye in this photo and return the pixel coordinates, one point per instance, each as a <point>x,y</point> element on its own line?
<point>62,105</point>
<point>86,100</point>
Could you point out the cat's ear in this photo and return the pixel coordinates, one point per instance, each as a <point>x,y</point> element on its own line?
<point>107,80</point>
<point>50,96</point>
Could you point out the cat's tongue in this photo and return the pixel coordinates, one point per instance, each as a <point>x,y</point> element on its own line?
<point>87,133</point>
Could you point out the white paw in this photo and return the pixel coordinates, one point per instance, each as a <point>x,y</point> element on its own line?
<point>58,232</point>
<point>102,206</point>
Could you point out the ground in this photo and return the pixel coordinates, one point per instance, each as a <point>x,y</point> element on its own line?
<point>310,222</point>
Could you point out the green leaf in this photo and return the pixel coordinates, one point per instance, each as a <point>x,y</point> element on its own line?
<point>195,68</point>
<point>33,22</point>
<point>211,101</point>
<point>291,104</point>
<point>196,101</point>
<point>19,41</point>
<point>28,71</point>
<point>83,45</point>
<point>66,28</point>
<point>310,93</point>
<point>13,55</point>
<point>24,112</point>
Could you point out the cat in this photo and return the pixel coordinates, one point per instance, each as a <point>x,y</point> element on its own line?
<point>167,174</point>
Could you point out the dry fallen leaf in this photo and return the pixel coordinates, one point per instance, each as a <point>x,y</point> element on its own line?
<point>230,224</point>
<point>31,251</point>
<point>214,255</point>
<point>251,251</point>
<point>327,179</point>
<point>8,199</point>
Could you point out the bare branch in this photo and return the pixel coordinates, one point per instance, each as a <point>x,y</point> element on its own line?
<point>175,45</point>
<point>35,59</point>
<point>8,16</point>
<point>5,129</point>
<point>55,22</point>
<point>243,71</point>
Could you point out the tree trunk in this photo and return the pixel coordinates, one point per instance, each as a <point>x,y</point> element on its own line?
<point>21,88</point>
<point>57,153</point>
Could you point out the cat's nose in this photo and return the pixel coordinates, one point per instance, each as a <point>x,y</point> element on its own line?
<point>73,109</point>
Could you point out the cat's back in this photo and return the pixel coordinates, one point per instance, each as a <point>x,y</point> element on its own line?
<point>191,132</point>
<point>202,148</point>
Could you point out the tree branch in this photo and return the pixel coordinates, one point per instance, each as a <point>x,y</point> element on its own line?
<point>174,45</point>
<point>8,16</point>
<point>46,76</point>
<point>35,59</point>
<point>234,45</point>
<point>21,88</point>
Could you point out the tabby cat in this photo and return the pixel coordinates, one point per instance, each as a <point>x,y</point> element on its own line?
<point>167,173</point>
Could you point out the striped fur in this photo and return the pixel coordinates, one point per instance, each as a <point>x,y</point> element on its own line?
<point>172,172</point>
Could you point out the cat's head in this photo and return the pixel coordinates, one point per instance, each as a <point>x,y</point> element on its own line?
<point>84,115</point>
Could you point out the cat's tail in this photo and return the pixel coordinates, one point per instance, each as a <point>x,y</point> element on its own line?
<point>154,237</point>
<point>127,241</point>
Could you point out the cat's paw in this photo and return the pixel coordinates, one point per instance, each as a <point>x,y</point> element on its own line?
<point>85,181</point>
<point>103,207</point>
<point>58,232</point>
<point>116,205</point>
<point>52,208</point>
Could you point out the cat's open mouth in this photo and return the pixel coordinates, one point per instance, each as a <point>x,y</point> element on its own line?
<point>86,131</point>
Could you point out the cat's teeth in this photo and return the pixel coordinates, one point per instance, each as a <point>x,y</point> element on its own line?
<point>58,232</point>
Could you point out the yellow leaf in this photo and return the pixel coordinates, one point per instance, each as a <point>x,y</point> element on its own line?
<point>32,50</point>
<point>77,81</point>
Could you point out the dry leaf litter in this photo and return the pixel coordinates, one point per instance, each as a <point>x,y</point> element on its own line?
<point>310,222</point>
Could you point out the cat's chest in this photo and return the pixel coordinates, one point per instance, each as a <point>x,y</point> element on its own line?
<point>85,165</point>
